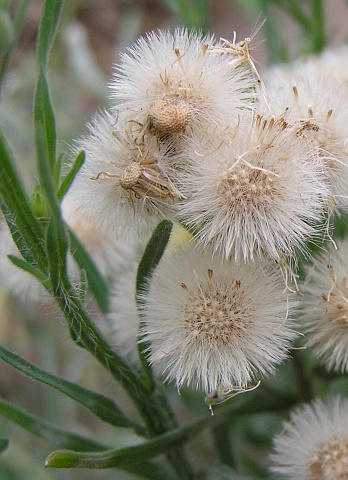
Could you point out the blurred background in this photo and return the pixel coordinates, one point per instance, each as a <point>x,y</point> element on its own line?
<point>90,38</point>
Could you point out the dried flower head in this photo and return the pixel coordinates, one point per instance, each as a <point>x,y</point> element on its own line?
<point>124,186</point>
<point>173,84</point>
<point>325,308</point>
<point>212,324</point>
<point>317,102</point>
<point>260,193</point>
<point>314,444</point>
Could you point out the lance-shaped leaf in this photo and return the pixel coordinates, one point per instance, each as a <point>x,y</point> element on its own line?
<point>152,255</point>
<point>64,439</point>
<point>102,407</point>
<point>70,176</point>
<point>46,430</point>
<point>47,29</point>
<point>256,402</point>
<point>25,227</point>
<point>128,455</point>
<point>43,115</point>
<point>27,267</point>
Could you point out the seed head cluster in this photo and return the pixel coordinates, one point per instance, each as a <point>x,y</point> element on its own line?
<point>253,168</point>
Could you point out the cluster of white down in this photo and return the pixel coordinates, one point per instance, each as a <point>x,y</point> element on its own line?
<point>254,167</point>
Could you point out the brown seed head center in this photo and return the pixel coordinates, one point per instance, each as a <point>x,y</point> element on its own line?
<point>214,314</point>
<point>337,304</point>
<point>243,183</point>
<point>330,461</point>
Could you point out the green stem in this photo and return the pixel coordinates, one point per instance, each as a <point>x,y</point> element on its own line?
<point>318,27</point>
<point>275,46</point>
<point>304,379</point>
<point>222,440</point>
<point>167,441</point>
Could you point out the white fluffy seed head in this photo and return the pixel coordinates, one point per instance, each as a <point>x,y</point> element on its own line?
<point>335,62</point>
<point>124,186</point>
<point>314,444</point>
<point>312,98</point>
<point>172,84</point>
<point>212,324</point>
<point>324,319</point>
<point>261,193</point>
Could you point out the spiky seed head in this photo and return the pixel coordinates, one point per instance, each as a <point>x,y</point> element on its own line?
<point>313,445</point>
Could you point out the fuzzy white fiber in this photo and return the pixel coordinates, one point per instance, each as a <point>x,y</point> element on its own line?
<point>213,324</point>
<point>325,308</point>
<point>261,193</point>
<point>97,192</point>
<point>313,445</point>
<point>314,97</point>
<point>186,66</point>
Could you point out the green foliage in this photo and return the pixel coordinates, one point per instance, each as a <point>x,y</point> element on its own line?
<point>3,444</point>
<point>45,242</point>
<point>192,13</point>
<point>100,406</point>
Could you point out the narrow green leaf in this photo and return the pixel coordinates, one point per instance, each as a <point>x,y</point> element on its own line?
<point>43,115</point>
<point>102,407</point>
<point>38,203</point>
<point>152,255</point>
<point>70,176</point>
<point>57,171</point>
<point>120,457</point>
<point>3,444</point>
<point>96,282</point>
<point>45,430</point>
<point>16,207</point>
<point>64,439</point>
<point>58,229</point>
<point>47,29</point>
<point>28,268</point>
<point>16,236</point>
<point>256,403</point>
